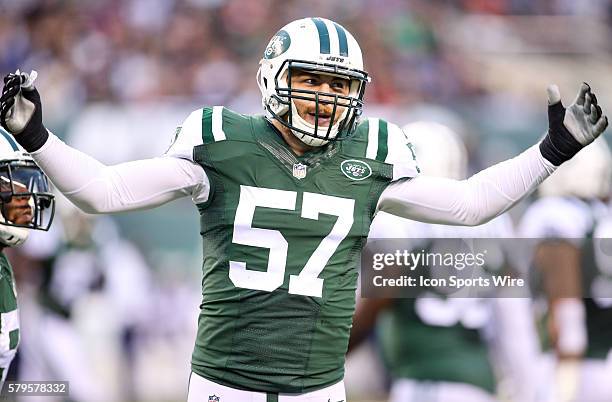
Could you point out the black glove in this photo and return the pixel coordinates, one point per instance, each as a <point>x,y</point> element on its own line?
<point>21,110</point>
<point>571,129</point>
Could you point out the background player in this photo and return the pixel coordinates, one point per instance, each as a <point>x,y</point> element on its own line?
<point>572,260</point>
<point>25,203</point>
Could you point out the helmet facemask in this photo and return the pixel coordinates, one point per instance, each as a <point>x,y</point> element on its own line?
<point>23,179</point>
<point>345,109</point>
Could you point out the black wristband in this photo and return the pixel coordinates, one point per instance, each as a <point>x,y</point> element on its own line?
<point>559,145</point>
<point>32,140</point>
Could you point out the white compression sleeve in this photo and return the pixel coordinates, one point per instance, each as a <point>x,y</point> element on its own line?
<point>96,188</point>
<point>467,202</point>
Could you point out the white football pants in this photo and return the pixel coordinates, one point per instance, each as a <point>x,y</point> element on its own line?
<point>203,390</point>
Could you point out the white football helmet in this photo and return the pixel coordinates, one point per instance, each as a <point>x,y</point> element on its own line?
<point>439,150</point>
<point>587,175</point>
<point>22,179</point>
<point>320,46</point>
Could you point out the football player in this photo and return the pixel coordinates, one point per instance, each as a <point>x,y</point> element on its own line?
<point>25,203</point>
<point>285,202</point>
<point>571,224</point>
<point>435,347</point>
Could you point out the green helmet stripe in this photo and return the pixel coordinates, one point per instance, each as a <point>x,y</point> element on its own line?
<point>323,35</point>
<point>342,42</point>
<point>383,149</point>
<point>9,139</point>
<point>207,133</point>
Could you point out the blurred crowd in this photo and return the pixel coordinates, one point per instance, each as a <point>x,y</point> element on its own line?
<point>207,50</point>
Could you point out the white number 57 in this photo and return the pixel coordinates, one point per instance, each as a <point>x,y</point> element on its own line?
<point>307,283</point>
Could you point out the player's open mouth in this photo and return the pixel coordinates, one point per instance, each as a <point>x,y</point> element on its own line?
<point>324,119</point>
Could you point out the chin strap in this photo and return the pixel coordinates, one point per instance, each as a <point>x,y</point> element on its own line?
<point>298,122</point>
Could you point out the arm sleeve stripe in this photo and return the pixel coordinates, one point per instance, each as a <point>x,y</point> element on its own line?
<point>343,43</point>
<point>207,133</point>
<point>383,135</point>
<point>217,123</point>
<point>372,138</point>
<point>323,35</point>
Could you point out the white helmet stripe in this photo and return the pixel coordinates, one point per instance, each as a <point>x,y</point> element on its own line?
<point>342,41</point>
<point>333,38</point>
<point>323,35</point>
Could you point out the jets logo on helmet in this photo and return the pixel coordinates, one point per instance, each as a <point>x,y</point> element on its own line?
<point>318,46</point>
<point>278,45</point>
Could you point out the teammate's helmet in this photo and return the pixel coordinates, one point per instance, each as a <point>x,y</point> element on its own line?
<point>320,46</point>
<point>440,151</point>
<point>21,178</point>
<point>587,175</point>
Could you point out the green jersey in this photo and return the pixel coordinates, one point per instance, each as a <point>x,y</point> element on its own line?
<point>282,236</point>
<point>9,317</point>
<point>437,339</point>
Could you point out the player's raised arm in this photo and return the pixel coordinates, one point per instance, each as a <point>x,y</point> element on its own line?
<point>496,189</point>
<point>89,184</point>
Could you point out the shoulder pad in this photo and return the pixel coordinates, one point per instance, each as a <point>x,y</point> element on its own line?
<point>220,123</point>
<point>187,136</point>
<point>386,142</point>
<point>206,126</point>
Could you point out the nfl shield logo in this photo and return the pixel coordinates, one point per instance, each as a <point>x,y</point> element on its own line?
<point>299,171</point>
<point>213,398</point>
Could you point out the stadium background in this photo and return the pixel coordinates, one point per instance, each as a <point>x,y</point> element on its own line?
<point>117,77</point>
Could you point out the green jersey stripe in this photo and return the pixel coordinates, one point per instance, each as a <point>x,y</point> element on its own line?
<point>343,43</point>
<point>217,123</point>
<point>323,35</point>
<point>207,133</point>
<point>10,139</point>
<point>383,149</point>
<point>372,138</point>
